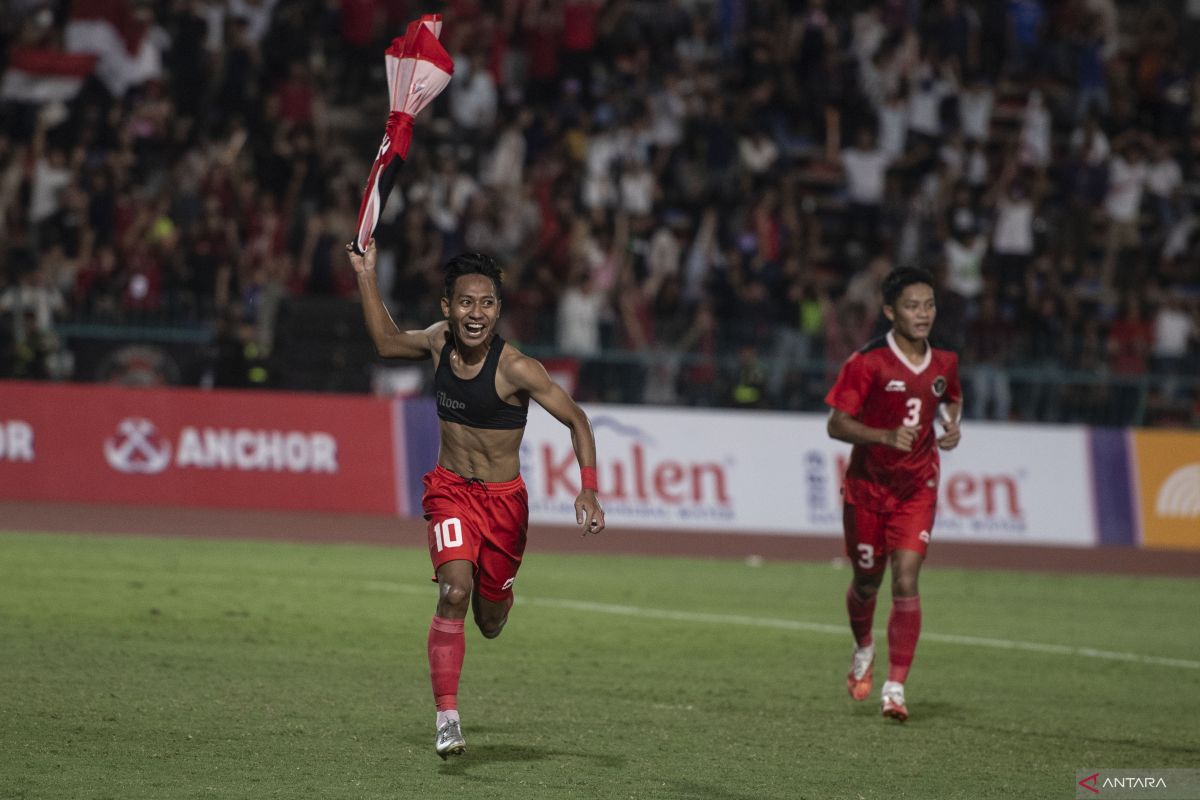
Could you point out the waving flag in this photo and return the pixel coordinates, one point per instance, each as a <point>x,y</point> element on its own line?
<point>39,75</point>
<point>119,35</point>
<point>418,69</point>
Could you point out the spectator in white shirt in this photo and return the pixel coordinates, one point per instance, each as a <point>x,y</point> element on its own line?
<point>867,33</point>
<point>1013,246</point>
<point>665,253</point>
<point>599,189</point>
<point>50,174</point>
<point>931,85</point>
<point>975,111</point>
<point>638,188</point>
<point>1173,329</point>
<point>1108,17</point>
<point>581,309</point>
<point>1090,140</point>
<point>504,169</point>
<point>36,295</point>
<point>964,252</point>
<point>1122,203</point>
<point>1164,179</point>
<point>757,152</point>
<point>257,14</point>
<point>893,123</point>
<point>1035,132</point>
<point>953,155</point>
<point>473,96</point>
<point>450,192</point>
<point>865,169</point>
<point>1175,335</point>
<point>668,107</point>
<point>976,169</point>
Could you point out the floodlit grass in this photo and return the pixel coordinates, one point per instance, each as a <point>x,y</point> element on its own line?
<point>173,668</point>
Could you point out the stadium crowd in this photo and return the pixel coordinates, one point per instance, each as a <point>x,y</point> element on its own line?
<point>692,181</point>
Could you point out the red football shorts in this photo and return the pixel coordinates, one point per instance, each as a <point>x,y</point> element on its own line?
<point>871,536</point>
<point>483,523</point>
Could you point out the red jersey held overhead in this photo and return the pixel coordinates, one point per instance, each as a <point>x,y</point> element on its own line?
<point>881,388</point>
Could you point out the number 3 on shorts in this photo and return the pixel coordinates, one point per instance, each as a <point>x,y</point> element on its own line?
<point>866,556</point>
<point>448,533</point>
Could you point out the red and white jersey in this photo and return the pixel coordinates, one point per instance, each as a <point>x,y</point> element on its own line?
<point>881,388</point>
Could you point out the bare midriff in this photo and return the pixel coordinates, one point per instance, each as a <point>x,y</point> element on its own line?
<point>489,455</point>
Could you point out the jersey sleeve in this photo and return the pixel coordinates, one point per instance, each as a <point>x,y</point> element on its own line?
<point>850,390</point>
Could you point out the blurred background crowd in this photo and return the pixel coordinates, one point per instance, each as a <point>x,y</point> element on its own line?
<point>695,201</point>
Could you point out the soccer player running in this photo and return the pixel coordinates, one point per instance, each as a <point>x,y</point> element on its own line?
<point>475,500</point>
<point>885,402</point>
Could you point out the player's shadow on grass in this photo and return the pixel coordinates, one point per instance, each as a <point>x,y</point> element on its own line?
<point>687,790</point>
<point>927,711</point>
<point>480,754</point>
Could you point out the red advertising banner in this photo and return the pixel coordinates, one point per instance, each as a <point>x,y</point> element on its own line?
<point>188,447</point>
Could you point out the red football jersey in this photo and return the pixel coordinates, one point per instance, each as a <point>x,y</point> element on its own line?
<point>881,388</point>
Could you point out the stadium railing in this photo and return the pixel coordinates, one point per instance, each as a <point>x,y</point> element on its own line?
<point>310,360</point>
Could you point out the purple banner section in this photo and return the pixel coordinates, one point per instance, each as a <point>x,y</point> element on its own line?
<point>421,447</point>
<point>1112,487</point>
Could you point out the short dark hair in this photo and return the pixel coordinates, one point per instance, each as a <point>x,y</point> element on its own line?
<point>900,278</point>
<point>472,264</point>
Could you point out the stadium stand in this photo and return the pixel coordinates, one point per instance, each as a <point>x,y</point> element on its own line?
<point>695,199</point>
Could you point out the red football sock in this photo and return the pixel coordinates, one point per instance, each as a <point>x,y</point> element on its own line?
<point>904,628</point>
<point>447,645</point>
<point>862,614</point>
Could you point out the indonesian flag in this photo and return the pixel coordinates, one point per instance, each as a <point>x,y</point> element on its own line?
<point>418,69</point>
<point>40,75</point>
<point>110,30</point>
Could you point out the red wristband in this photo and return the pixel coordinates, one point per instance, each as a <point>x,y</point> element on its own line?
<point>587,475</point>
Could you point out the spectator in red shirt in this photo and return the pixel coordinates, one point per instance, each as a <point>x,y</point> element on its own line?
<point>359,24</point>
<point>1130,338</point>
<point>296,95</point>
<point>580,31</point>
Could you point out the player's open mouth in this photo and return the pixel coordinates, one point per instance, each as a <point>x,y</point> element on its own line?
<point>473,329</point>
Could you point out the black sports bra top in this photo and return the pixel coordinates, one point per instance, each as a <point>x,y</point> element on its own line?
<point>473,401</point>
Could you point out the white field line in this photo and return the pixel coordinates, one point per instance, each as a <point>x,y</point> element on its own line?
<point>812,627</point>
<point>665,614</point>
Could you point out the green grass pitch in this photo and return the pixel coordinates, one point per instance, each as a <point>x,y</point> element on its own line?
<point>173,668</point>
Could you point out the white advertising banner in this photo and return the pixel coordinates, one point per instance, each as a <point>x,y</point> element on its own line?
<point>769,472</point>
<point>1018,483</point>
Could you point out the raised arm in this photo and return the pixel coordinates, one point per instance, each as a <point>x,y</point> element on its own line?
<point>390,341</point>
<point>528,374</point>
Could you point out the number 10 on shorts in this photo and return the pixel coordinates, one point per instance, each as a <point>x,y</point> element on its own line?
<point>448,533</point>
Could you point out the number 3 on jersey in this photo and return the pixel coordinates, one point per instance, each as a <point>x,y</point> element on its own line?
<point>914,412</point>
<point>448,533</point>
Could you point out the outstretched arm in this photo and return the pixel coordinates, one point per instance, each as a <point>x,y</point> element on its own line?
<point>529,375</point>
<point>390,341</point>
<point>845,428</point>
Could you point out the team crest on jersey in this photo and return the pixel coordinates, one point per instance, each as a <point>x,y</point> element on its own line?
<point>939,386</point>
